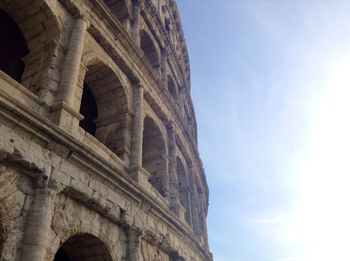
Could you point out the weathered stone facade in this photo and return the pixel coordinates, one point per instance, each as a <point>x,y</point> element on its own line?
<point>98,146</point>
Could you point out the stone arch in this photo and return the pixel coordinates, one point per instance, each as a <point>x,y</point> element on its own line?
<point>93,57</point>
<point>104,105</point>
<point>183,186</point>
<point>154,154</point>
<point>74,218</point>
<point>149,49</point>
<point>42,32</point>
<point>13,47</point>
<point>172,87</point>
<point>83,247</point>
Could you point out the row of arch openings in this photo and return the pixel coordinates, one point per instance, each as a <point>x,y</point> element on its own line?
<point>18,45</point>
<point>104,106</point>
<point>104,101</point>
<point>87,247</point>
<point>14,48</point>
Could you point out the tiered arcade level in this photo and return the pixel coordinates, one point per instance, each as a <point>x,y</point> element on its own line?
<point>98,146</point>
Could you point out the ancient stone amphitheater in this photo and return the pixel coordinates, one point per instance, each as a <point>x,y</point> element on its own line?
<point>98,146</point>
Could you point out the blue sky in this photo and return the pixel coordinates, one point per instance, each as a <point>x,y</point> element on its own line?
<point>271,90</point>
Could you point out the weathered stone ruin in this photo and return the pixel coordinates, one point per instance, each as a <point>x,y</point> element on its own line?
<point>98,146</point>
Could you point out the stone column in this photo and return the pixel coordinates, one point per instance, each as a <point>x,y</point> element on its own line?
<point>69,75</point>
<point>36,235</point>
<point>135,25</point>
<point>165,180</point>
<point>127,137</point>
<point>133,247</point>
<point>190,192</point>
<point>205,233</point>
<point>173,179</point>
<point>202,216</point>
<point>163,70</point>
<point>137,132</point>
<point>195,213</point>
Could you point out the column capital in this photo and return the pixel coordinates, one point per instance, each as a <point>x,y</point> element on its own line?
<point>136,232</point>
<point>83,17</point>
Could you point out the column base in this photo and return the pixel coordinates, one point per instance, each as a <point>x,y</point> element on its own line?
<point>141,176</point>
<point>66,118</point>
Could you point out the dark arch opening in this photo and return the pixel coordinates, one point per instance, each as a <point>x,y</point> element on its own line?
<point>187,114</point>
<point>149,50</point>
<point>172,87</point>
<point>88,109</point>
<point>153,154</point>
<point>183,185</point>
<point>104,105</point>
<point>13,47</point>
<point>83,247</point>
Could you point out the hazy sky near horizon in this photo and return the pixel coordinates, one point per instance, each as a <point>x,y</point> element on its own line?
<point>271,90</point>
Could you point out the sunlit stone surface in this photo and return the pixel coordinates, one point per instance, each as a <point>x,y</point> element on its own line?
<point>98,145</point>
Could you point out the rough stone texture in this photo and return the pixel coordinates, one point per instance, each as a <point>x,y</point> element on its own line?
<point>131,186</point>
<point>150,252</point>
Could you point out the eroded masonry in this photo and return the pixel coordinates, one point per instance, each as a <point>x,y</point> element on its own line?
<point>98,146</point>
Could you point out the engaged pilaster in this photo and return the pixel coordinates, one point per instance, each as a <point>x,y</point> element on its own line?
<point>135,25</point>
<point>134,244</point>
<point>195,213</point>
<point>173,179</point>
<point>163,68</point>
<point>65,115</point>
<point>37,230</point>
<point>137,133</point>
